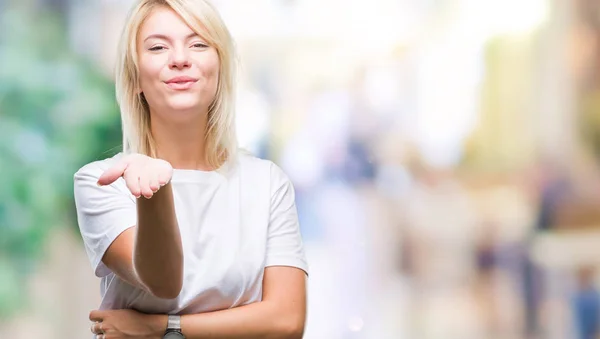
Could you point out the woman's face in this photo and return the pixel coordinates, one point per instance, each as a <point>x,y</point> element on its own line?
<point>178,71</point>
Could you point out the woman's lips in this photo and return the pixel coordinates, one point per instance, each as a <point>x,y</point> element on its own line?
<point>181,82</point>
<point>181,85</point>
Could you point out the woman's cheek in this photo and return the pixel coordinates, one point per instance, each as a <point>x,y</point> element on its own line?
<point>210,65</point>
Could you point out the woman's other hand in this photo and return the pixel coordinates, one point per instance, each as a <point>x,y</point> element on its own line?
<point>127,324</point>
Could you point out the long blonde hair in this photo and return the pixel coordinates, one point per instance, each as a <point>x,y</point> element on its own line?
<point>203,18</point>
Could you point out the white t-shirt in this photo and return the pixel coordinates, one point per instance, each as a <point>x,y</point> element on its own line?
<point>232,226</point>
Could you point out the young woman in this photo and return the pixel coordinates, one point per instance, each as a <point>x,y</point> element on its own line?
<point>191,237</point>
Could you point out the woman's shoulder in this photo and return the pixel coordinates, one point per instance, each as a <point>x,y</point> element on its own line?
<point>260,166</point>
<point>248,159</point>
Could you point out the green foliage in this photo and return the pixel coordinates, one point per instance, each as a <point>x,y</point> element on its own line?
<point>57,112</point>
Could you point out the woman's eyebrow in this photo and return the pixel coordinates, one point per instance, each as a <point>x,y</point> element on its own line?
<point>164,37</point>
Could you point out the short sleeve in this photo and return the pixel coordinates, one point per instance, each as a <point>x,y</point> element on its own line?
<point>284,241</point>
<point>103,213</point>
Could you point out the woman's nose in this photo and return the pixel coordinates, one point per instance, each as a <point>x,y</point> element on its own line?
<point>179,58</point>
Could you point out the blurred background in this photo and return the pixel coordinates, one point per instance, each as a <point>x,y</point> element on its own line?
<point>445,155</point>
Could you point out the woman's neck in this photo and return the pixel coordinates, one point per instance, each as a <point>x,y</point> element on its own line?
<point>181,144</point>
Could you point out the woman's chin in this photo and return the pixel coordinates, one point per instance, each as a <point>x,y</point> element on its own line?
<point>185,106</point>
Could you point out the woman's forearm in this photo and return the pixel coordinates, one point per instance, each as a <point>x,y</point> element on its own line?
<point>262,320</point>
<point>158,253</point>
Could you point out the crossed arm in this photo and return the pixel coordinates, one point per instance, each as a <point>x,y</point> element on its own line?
<point>281,314</point>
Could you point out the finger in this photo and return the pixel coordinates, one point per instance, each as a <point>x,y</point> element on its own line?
<point>96,328</point>
<point>164,177</point>
<point>145,184</point>
<point>154,184</point>
<point>97,315</point>
<point>110,175</point>
<point>132,180</point>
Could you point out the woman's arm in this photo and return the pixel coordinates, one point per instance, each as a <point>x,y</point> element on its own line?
<point>149,255</point>
<point>145,254</point>
<point>280,315</point>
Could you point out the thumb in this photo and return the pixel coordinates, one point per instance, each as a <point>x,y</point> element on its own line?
<point>110,175</point>
<point>97,315</point>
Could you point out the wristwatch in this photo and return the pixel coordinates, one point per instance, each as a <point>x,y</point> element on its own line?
<point>174,328</point>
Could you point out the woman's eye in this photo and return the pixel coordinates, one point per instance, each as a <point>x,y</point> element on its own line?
<point>199,45</point>
<point>156,48</point>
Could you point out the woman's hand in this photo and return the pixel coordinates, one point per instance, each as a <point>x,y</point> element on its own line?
<point>127,324</point>
<point>143,175</point>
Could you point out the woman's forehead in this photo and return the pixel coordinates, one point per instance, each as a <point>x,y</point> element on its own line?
<point>165,23</point>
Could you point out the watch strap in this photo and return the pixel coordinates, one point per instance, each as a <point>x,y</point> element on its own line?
<point>174,322</point>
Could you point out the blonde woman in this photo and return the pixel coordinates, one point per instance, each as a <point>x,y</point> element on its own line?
<point>192,239</point>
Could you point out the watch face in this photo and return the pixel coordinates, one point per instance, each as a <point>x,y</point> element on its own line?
<point>173,335</point>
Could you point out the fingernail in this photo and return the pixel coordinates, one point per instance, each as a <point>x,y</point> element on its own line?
<point>99,184</point>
